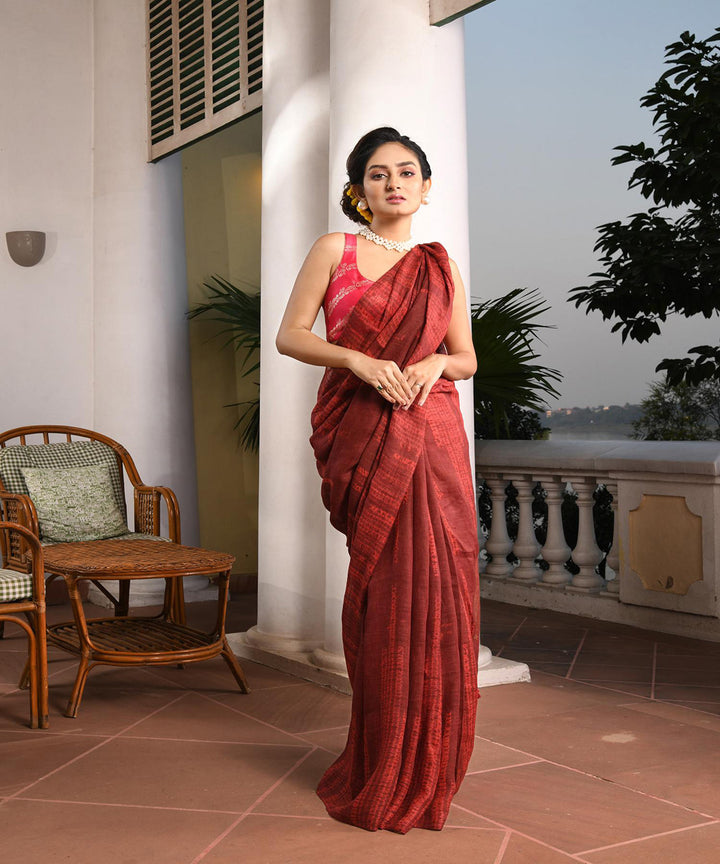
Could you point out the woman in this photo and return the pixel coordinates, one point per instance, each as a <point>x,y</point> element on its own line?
<point>393,456</point>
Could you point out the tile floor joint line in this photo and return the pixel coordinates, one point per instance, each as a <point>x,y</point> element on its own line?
<point>517,629</point>
<point>577,653</point>
<point>291,816</point>
<point>231,688</point>
<point>650,837</point>
<point>265,723</point>
<point>503,846</point>
<point>571,855</point>
<point>599,686</point>
<point>249,810</point>
<point>598,777</point>
<point>654,670</point>
<point>215,741</point>
<point>327,729</point>
<point>125,806</point>
<point>93,749</point>
<point>503,767</point>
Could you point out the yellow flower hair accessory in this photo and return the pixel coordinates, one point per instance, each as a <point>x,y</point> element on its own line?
<point>363,211</point>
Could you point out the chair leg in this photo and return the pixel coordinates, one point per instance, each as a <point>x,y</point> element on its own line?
<point>33,662</point>
<point>179,601</point>
<point>24,682</point>
<point>78,687</point>
<point>42,669</point>
<point>31,673</point>
<point>123,605</point>
<point>235,667</point>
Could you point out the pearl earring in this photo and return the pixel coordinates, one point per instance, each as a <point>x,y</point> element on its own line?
<point>362,205</point>
<point>425,199</point>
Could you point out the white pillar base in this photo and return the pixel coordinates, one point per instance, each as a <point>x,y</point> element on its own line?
<point>329,660</point>
<point>322,667</point>
<point>502,671</point>
<point>279,643</point>
<point>301,664</point>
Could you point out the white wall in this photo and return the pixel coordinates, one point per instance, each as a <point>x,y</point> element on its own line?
<point>46,185</point>
<point>95,335</point>
<point>141,352</point>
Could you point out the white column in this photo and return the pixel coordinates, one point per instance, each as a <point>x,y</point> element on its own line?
<point>141,389</point>
<point>331,655</point>
<point>291,533</point>
<point>355,109</point>
<point>388,67</point>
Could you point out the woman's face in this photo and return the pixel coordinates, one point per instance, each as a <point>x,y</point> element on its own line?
<point>393,184</point>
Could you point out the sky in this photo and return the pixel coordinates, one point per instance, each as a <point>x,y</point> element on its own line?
<point>552,87</point>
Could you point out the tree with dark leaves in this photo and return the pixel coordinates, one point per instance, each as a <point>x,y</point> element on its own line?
<point>666,261</point>
<point>680,412</point>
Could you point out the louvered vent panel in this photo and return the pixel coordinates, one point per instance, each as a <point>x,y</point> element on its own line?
<point>225,53</point>
<point>204,67</point>
<point>254,45</point>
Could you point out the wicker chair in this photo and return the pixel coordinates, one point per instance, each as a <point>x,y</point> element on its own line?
<point>22,601</point>
<point>69,446</point>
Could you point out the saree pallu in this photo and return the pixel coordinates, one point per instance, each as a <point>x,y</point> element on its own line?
<point>397,483</point>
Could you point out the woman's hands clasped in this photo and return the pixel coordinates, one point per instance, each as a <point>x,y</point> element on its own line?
<point>401,388</point>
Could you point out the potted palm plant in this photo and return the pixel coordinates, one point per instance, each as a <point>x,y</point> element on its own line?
<point>239,311</point>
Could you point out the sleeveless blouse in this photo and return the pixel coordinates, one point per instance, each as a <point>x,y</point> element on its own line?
<point>346,287</point>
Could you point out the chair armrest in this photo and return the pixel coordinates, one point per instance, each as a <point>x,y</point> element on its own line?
<point>22,552</point>
<point>19,510</point>
<point>147,511</point>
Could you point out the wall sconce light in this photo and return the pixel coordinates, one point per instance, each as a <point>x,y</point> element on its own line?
<point>26,248</point>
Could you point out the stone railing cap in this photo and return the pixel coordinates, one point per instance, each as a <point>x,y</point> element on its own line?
<point>564,457</point>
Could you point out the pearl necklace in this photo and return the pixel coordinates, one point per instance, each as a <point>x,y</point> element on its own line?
<point>390,245</point>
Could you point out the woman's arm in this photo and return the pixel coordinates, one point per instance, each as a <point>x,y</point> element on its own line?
<point>296,339</point>
<point>460,361</point>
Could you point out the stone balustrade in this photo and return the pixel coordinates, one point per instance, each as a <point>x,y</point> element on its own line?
<point>626,531</point>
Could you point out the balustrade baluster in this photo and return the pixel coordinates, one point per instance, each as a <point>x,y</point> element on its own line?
<point>555,551</point>
<point>586,554</point>
<point>498,543</point>
<point>613,556</point>
<point>526,546</point>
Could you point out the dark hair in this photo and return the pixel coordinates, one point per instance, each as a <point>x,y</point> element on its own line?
<point>360,156</point>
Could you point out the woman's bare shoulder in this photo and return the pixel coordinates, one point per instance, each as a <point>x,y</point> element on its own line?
<point>329,246</point>
<point>453,267</point>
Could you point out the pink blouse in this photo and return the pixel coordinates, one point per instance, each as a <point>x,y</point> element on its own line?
<point>346,287</point>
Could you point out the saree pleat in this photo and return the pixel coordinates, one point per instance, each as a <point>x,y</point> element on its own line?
<point>398,484</point>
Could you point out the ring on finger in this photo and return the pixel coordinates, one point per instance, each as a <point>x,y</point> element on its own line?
<point>380,387</point>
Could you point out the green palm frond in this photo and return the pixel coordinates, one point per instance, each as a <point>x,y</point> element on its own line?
<point>248,423</point>
<point>239,311</point>
<point>503,331</point>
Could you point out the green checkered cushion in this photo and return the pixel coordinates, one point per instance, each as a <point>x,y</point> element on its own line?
<point>14,586</point>
<point>60,454</point>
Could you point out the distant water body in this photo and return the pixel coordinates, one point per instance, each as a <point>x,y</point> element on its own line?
<point>584,435</point>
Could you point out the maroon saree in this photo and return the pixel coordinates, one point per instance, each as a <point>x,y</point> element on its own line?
<point>398,485</point>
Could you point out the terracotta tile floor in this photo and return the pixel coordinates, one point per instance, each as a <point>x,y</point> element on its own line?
<point>607,757</point>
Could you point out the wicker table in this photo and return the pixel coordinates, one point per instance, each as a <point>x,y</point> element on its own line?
<point>130,640</point>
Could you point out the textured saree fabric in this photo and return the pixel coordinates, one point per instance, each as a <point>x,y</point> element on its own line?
<point>397,484</point>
